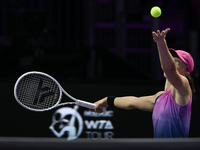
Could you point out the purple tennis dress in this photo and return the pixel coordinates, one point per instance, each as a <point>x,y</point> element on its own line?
<point>171,120</point>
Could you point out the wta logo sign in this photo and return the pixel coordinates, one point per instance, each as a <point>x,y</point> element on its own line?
<point>67,122</point>
<point>64,123</point>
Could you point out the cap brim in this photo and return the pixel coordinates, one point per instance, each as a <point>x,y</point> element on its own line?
<point>173,51</point>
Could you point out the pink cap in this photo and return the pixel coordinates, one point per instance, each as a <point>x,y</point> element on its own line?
<point>186,58</point>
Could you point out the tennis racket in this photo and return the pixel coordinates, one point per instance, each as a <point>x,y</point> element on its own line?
<point>38,91</point>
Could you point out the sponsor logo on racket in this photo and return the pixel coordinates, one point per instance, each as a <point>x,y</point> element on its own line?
<point>42,93</point>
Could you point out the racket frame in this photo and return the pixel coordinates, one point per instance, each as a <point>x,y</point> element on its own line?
<point>77,101</point>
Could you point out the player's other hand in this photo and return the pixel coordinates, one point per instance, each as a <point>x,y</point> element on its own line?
<point>160,36</point>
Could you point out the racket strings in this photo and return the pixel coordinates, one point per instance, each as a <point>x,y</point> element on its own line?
<point>38,92</point>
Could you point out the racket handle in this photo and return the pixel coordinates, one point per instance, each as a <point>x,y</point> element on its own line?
<point>88,105</point>
<point>85,104</point>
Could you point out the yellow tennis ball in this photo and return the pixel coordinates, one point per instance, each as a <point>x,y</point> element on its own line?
<point>155,11</point>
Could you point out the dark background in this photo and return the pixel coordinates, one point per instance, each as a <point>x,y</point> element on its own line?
<point>94,48</point>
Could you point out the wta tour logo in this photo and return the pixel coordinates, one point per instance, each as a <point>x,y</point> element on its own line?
<point>64,122</point>
<point>67,122</point>
<point>42,93</point>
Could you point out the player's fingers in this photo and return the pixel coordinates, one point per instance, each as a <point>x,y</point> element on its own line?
<point>154,35</point>
<point>166,31</point>
<point>97,108</point>
<point>91,110</point>
<point>162,33</point>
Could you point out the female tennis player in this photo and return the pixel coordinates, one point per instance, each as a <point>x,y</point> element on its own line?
<point>172,107</point>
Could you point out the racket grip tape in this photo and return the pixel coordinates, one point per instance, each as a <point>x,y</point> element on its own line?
<point>85,104</point>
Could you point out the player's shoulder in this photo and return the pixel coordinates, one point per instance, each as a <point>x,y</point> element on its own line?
<point>185,88</point>
<point>183,95</point>
<point>159,93</point>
